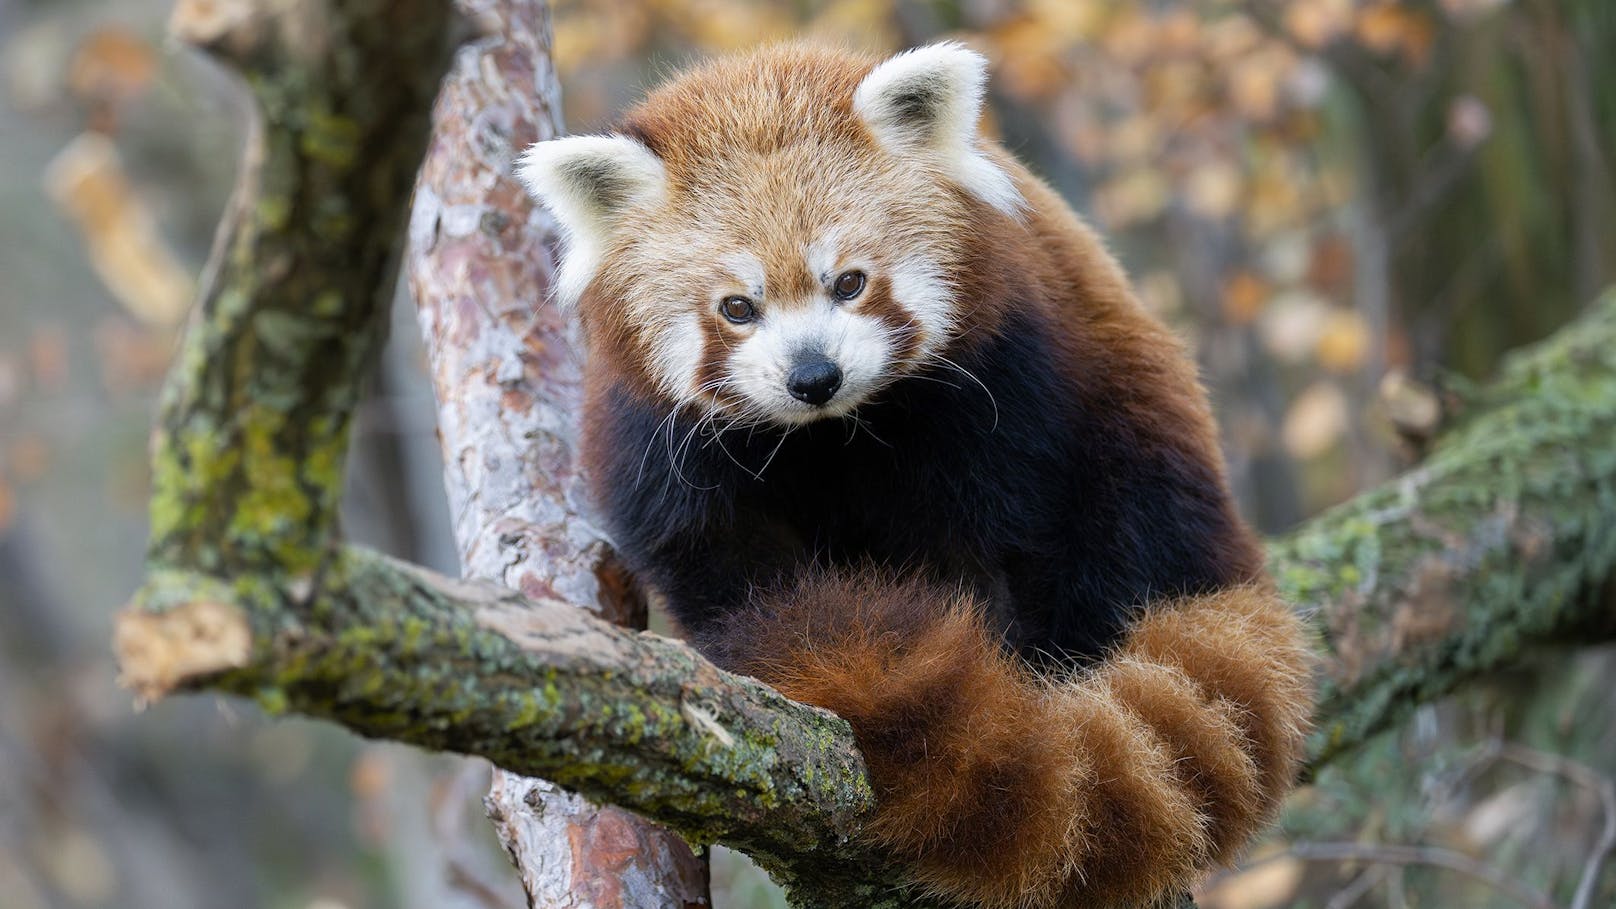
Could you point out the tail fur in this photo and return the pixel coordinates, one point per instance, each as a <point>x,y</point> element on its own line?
<point>1009,790</point>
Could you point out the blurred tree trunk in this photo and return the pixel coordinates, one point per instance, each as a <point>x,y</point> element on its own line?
<point>1500,133</point>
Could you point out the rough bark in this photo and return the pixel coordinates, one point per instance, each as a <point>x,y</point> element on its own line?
<point>1504,536</point>
<point>1497,543</point>
<point>248,454</point>
<point>507,377</point>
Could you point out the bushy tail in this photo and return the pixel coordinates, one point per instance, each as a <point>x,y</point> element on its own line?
<point>1007,789</point>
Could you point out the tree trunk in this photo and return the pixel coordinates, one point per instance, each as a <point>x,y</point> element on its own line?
<point>506,369</point>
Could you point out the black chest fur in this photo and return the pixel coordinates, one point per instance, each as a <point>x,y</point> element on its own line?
<point>1000,474</point>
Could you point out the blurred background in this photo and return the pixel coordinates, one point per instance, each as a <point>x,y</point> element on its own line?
<point>1349,206</point>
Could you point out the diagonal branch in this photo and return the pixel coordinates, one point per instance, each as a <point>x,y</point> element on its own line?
<point>1503,538</point>
<point>248,453</point>
<point>539,687</point>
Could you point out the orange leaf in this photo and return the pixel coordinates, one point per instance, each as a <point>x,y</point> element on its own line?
<point>129,253</point>
<point>1243,298</point>
<point>1390,27</point>
<point>1315,23</point>
<point>111,63</point>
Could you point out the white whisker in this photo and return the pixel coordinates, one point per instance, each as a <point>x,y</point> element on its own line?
<point>969,375</point>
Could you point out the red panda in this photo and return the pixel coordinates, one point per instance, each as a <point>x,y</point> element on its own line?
<point>880,419</point>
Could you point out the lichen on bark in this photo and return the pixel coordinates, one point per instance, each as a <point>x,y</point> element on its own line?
<point>1500,538</point>
<point>246,462</point>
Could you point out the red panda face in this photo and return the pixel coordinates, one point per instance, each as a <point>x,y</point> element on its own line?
<point>785,287</point>
<point>774,239</point>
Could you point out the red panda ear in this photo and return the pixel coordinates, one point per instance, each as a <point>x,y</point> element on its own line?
<point>589,183</point>
<point>928,100</point>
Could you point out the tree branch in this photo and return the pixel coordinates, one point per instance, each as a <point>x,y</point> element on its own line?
<point>247,457</point>
<point>1496,543</point>
<point>1502,538</point>
<point>539,687</point>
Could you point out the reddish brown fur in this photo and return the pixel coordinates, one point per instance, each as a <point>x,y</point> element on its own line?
<point>1243,647</point>
<point>973,772</point>
<point>1002,788</point>
<point>1107,342</point>
<point>778,124</point>
<point>1006,789</point>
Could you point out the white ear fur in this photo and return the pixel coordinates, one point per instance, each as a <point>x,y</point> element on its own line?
<point>929,99</point>
<point>589,183</point>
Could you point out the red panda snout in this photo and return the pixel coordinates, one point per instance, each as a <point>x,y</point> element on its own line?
<point>790,365</point>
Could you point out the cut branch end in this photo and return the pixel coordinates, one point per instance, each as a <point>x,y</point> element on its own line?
<point>160,651</point>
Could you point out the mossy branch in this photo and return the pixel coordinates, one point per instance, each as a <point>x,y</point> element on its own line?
<point>541,688</point>
<point>1498,542</point>
<point>1502,538</point>
<point>247,457</point>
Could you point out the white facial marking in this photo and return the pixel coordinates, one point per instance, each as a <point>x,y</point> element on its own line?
<point>919,287</point>
<point>857,344</point>
<point>821,258</point>
<point>747,269</point>
<point>676,352</point>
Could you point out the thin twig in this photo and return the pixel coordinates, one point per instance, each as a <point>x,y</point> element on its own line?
<point>1362,884</point>
<point>1423,855</point>
<point>1582,775</point>
<point>1405,856</point>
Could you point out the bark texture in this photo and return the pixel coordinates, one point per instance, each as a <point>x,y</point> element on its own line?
<point>507,374</point>
<point>250,444</point>
<point>1499,542</point>
<point>1503,537</point>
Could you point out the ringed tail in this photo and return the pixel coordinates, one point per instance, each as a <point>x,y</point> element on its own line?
<point>1004,788</point>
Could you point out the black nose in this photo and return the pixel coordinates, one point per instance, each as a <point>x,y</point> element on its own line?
<point>814,382</point>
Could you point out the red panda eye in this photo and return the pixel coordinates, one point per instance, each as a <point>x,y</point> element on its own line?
<point>737,309</point>
<point>849,284</point>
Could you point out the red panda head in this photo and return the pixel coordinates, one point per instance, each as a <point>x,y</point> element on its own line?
<point>776,237</point>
